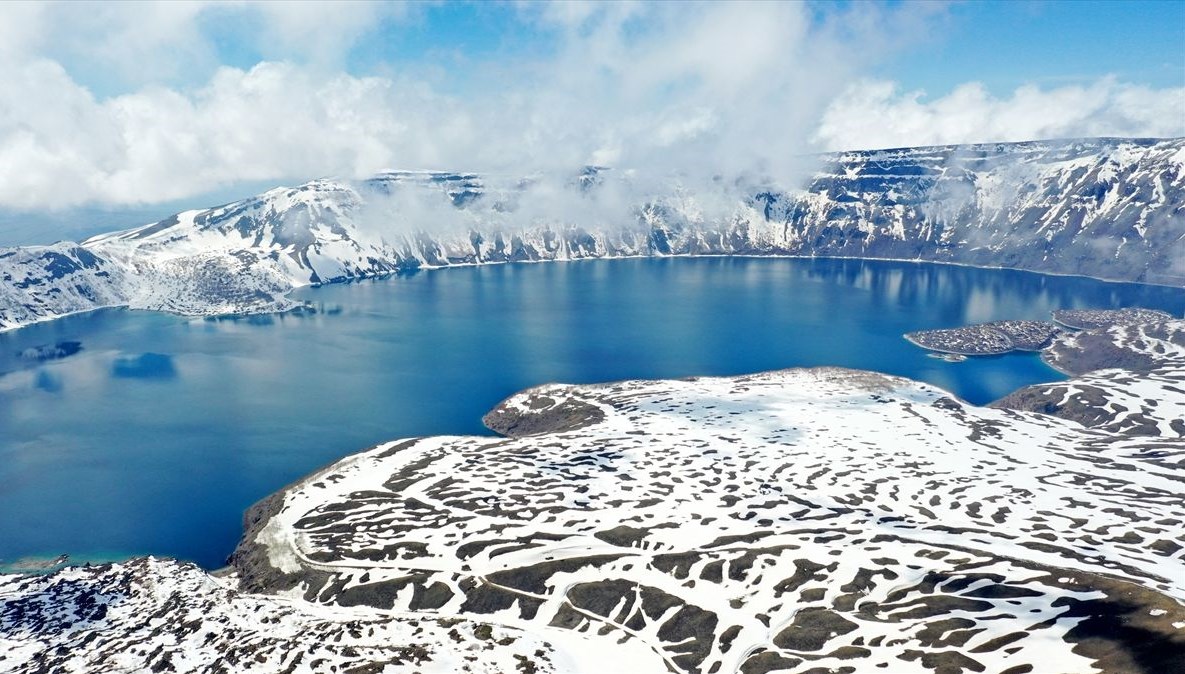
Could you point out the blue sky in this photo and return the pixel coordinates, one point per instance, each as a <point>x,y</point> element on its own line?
<point>1003,45</point>
<point>1009,44</point>
<point>137,105</point>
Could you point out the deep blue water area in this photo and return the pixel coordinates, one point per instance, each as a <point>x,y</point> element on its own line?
<point>128,432</point>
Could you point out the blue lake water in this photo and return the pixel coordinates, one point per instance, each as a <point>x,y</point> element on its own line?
<point>157,433</point>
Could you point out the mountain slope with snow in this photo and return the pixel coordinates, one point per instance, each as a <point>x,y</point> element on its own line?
<point>165,616</point>
<point>1111,208</point>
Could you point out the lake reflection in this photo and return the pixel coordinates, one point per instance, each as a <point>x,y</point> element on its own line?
<point>159,431</point>
<point>144,366</point>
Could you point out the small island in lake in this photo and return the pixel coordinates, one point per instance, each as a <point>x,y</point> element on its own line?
<point>999,337</point>
<point>988,339</point>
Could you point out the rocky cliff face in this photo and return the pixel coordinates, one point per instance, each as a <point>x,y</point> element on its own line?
<point>1112,208</point>
<point>1104,207</point>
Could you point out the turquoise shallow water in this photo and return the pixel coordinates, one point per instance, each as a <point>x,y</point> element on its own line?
<point>159,432</point>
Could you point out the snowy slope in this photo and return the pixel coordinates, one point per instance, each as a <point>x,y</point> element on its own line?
<point>43,282</point>
<point>1125,369</point>
<point>1112,208</point>
<point>165,616</point>
<point>766,522</point>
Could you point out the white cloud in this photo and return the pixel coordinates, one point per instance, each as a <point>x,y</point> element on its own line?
<point>700,89</point>
<point>130,43</point>
<point>697,89</point>
<point>320,33</point>
<point>59,146</point>
<point>877,114</point>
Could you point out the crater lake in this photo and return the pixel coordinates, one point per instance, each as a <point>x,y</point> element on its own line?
<point>127,432</point>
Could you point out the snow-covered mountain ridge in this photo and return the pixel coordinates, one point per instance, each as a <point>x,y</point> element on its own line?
<point>1110,208</point>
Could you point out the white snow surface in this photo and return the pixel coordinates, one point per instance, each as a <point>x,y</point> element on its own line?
<point>151,612</point>
<point>755,500</point>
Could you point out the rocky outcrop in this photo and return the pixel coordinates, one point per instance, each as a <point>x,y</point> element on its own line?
<point>1123,370</point>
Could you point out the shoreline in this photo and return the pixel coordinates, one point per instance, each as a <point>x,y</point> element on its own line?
<point>753,256</point>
